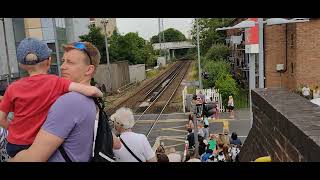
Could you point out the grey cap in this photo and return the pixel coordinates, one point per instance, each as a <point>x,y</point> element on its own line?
<point>32,46</point>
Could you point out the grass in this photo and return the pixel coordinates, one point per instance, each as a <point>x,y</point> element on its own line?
<point>192,76</point>
<point>152,73</point>
<point>241,101</point>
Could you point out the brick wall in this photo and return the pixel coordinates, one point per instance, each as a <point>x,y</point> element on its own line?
<point>274,49</point>
<point>303,57</point>
<point>308,54</point>
<point>285,126</point>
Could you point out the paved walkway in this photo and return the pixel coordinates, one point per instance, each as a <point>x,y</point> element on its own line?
<point>172,132</point>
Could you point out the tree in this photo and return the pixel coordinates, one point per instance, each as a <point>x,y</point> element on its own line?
<point>170,35</point>
<point>131,47</point>
<point>207,32</point>
<point>96,38</point>
<point>218,51</point>
<point>215,70</point>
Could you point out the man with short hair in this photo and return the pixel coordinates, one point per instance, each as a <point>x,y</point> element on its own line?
<point>71,119</point>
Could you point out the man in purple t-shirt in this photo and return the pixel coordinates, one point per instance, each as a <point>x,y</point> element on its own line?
<point>71,119</point>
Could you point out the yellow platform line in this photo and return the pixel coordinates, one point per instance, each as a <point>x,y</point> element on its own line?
<point>225,126</point>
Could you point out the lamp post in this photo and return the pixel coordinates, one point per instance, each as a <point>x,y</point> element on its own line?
<point>56,45</point>
<point>249,24</point>
<point>198,45</point>
<point>105,21</point>
<point>7,52</point>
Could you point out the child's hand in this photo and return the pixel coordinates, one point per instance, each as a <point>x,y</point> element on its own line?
<point>97,92</point>
<point>1,98</point>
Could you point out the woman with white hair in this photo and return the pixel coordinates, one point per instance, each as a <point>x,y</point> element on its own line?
<point>134,147</point>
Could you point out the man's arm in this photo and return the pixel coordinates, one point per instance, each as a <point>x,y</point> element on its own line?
<point>85,89</point>
<point>44,145</point>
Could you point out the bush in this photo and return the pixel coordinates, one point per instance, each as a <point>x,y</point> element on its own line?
<point>215,70</point>
<point>218,51</point>
<point>227,86</point>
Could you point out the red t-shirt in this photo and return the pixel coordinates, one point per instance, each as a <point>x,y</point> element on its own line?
<point>30,99</point>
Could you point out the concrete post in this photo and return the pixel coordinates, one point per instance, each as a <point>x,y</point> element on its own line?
<point>252,81</point>
<point>261,54</point>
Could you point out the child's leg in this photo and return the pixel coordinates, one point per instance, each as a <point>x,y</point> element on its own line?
<point>13,149</point>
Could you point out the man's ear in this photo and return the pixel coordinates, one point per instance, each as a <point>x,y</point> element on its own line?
<point>90,70</point>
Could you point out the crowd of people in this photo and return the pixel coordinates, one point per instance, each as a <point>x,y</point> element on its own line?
<point>212,147</point>
<point>46,118</point>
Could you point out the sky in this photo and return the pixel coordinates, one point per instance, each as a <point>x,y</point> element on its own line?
<point>148,27</point>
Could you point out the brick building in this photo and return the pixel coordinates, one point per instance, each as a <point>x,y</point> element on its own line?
<point>294,46</point>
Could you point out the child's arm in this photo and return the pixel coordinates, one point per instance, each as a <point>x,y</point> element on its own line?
<point>3,120</point>
<point>85,89</point>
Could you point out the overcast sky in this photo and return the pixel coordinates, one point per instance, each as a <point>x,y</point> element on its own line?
<point>148,27</point>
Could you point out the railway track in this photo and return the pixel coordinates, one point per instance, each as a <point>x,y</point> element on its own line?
<point>146,91</point>
<point>159,104</point>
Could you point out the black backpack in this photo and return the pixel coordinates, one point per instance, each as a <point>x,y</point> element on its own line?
<point>104,141</point>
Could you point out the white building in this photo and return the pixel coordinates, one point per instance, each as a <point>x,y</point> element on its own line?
<point>67,30</point>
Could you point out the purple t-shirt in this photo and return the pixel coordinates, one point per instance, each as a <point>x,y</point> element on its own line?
<point>72,118</point>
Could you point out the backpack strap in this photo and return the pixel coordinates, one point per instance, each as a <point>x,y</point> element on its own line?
<point>129,150</point>
<point>64,154</point>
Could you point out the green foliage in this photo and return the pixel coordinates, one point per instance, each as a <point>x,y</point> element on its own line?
<point>242,100</point>
<point>207,32</point>
<point>215,69</point>
<point>131,47</point>
<point>152,73</point>
<point>97,38</point>
<point>227,86</point>
<point>170,35</point>
<point>218,51</point>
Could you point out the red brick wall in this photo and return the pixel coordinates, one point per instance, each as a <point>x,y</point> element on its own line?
<point>308,53</point>
<point>303,56</point>
<point>274,53</point>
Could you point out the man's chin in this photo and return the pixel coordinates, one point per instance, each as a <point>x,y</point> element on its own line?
<point>66,76</point>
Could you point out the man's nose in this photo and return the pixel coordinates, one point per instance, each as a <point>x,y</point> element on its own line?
<point>63,66</point>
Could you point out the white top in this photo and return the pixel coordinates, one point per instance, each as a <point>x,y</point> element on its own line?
<point>230,102</point>
<point>194,160</point>
<point>138,144</point>
<point>174,157</point>
<point>306,91</point>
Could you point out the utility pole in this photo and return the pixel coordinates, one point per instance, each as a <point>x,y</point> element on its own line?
<point>56,44</point>
<point>7,52</point>
<point>261,56</point>
<point>198,44</point>
<point>105,22</point>
<point>163,39</point>
<point>159,35</point>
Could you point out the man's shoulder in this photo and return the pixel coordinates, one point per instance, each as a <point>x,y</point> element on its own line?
<point>74,99</point>
<point>74,96</point>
